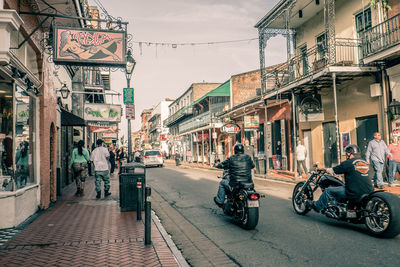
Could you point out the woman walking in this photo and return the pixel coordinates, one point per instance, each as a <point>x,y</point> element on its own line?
<point>79,163</point>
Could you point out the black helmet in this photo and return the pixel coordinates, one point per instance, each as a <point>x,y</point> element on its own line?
<point>239,148</point>
<point>352,149</point>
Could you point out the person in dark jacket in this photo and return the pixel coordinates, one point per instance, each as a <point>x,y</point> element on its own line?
<point>112,159</point>
<point>239,167</point>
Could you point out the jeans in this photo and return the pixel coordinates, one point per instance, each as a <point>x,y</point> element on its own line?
<point>301,163</point>
<point>98,177</point>
<point>393,167</point>
<point>223,185</point>
<point>378,167</point>
<point>80,173</point>
<point>330,194</point>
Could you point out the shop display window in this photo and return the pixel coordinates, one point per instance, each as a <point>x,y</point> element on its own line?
<point>17,138</point>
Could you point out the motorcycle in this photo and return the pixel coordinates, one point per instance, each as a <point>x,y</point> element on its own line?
<point>242,203</point>
<point>379,210</point>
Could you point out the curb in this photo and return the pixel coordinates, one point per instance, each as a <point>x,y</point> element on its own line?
<point>170,243</point>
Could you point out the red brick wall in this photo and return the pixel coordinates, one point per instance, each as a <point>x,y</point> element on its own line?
<point>48,108</point>
<point>200,89</point>
<point>244,86</point>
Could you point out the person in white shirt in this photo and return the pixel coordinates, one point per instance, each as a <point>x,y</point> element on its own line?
<point>99,158</point>
<point>301,154</point>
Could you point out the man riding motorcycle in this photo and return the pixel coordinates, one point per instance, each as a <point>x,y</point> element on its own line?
<point>239,167</point>
<point>357,182</point>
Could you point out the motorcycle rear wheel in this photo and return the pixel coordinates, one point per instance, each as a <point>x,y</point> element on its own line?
<point>299,200</point>
<point>246,217</point>
<point>384,215</point>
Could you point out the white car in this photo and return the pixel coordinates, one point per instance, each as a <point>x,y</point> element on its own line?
<point>153,158</point>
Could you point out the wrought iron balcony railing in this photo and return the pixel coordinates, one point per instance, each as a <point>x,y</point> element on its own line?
<point>381,36</point>
<point>312,61</point>
<point>199,121</point>
<point>177,115</point>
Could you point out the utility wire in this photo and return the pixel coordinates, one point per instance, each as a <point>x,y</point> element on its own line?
<point>195,43</point>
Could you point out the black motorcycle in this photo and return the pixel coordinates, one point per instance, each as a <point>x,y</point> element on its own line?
<point>242,203</point>
<point>379,210</point>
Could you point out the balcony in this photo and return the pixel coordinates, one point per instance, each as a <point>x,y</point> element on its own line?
<point>199,121</point>
<point>312,61</point>
<point>177,116</point>
<point>380,37</point>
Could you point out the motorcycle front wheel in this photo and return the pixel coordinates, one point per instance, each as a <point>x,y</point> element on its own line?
<point>299,200</point>
<point>383,219</point>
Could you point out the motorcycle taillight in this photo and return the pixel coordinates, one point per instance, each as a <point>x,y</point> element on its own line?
<point>254,197</point>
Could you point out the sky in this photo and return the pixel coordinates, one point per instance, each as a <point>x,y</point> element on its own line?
<point>165,72</point>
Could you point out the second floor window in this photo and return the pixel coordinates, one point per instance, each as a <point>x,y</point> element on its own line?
<point>363,20</point>
<point>321,46</point>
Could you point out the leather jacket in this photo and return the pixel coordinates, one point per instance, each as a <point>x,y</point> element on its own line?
<point>239,167</point>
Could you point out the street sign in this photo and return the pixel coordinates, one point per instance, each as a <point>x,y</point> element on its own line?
<point>129,96</point>
<point>130,111</point>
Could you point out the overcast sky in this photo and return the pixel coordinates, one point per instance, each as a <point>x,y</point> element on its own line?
<point>165,72</point>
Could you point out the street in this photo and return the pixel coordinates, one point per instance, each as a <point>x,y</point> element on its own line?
<point>282,238</point>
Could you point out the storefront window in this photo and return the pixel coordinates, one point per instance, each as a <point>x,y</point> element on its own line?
<point>24,125</point>
<point>6,136</point>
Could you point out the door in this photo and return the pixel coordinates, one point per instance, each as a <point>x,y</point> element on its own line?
<point>330,146</point>
<point>366,127</point>
<point>308,146</point>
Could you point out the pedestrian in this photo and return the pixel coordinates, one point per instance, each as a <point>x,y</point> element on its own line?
<point>89,162</point>
<point>112,160</point>
<point>301,154</point>
<point>376,152</point>
<point>100,160</point>
<point>137,156</point>
<point>79,163</point>
<point>278,155</point>
<point>394,162</point>
<point>249,149</point>
<point>121,156</point>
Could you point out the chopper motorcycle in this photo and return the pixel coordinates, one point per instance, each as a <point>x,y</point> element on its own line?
<point>379,210</point>
<point>242,204</point>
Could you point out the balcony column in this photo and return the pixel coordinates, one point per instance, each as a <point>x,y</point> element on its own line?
<point>329,17</point>
<point>336,117</point>
<point>210,145</point>
<point>385,120</point>
<point>191,146</point>
<point>266,141</point>
<point>294,121</point>
<point>202,144</point>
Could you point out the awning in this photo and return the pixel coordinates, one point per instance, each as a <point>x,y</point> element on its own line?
<point>70,119</point>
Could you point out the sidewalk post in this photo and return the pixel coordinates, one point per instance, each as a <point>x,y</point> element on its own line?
<point>139,199</point>
<point>147,217</point>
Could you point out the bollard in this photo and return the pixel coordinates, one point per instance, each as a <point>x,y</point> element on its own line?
<point>147,217</point>
<point>139,199</point>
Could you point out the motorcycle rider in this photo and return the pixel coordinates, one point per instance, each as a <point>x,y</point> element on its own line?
<point>357,182</point>
<point>239,168</point>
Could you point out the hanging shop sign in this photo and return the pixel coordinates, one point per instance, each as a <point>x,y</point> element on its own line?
<point>102,112</point>
<point>100,129</point>
<point>230,128</point>
<point>251,122</point>
<point>112,135</point>
<point>129,96</point>
<point>310,108</point>
<point>130,111</point>
<point>203,136</point>
<point>78,46</point>
<point>396,128</point>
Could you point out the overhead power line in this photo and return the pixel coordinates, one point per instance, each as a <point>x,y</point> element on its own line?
<point>194,43</point>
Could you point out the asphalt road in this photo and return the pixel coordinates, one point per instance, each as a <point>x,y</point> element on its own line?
<point>282,238</point>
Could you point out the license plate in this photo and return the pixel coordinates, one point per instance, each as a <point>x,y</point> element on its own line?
<point>253,203</point>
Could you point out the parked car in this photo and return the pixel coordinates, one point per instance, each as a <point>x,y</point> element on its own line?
<point>152,158</point>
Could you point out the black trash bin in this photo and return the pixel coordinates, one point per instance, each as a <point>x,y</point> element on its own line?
<point>129,175</point>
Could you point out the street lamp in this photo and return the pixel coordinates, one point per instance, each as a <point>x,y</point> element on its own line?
<point>64,91</point>
<point>130,65</point>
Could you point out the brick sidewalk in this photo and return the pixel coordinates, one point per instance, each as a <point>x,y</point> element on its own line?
<point>84,231</point>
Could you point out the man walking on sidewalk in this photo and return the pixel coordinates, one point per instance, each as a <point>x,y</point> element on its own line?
<point>301,154</point>
<point>99,158</point>
<point>376,152</point>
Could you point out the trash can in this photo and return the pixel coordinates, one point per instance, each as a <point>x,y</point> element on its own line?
<point>129,175</point>
<point>261,164</point>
